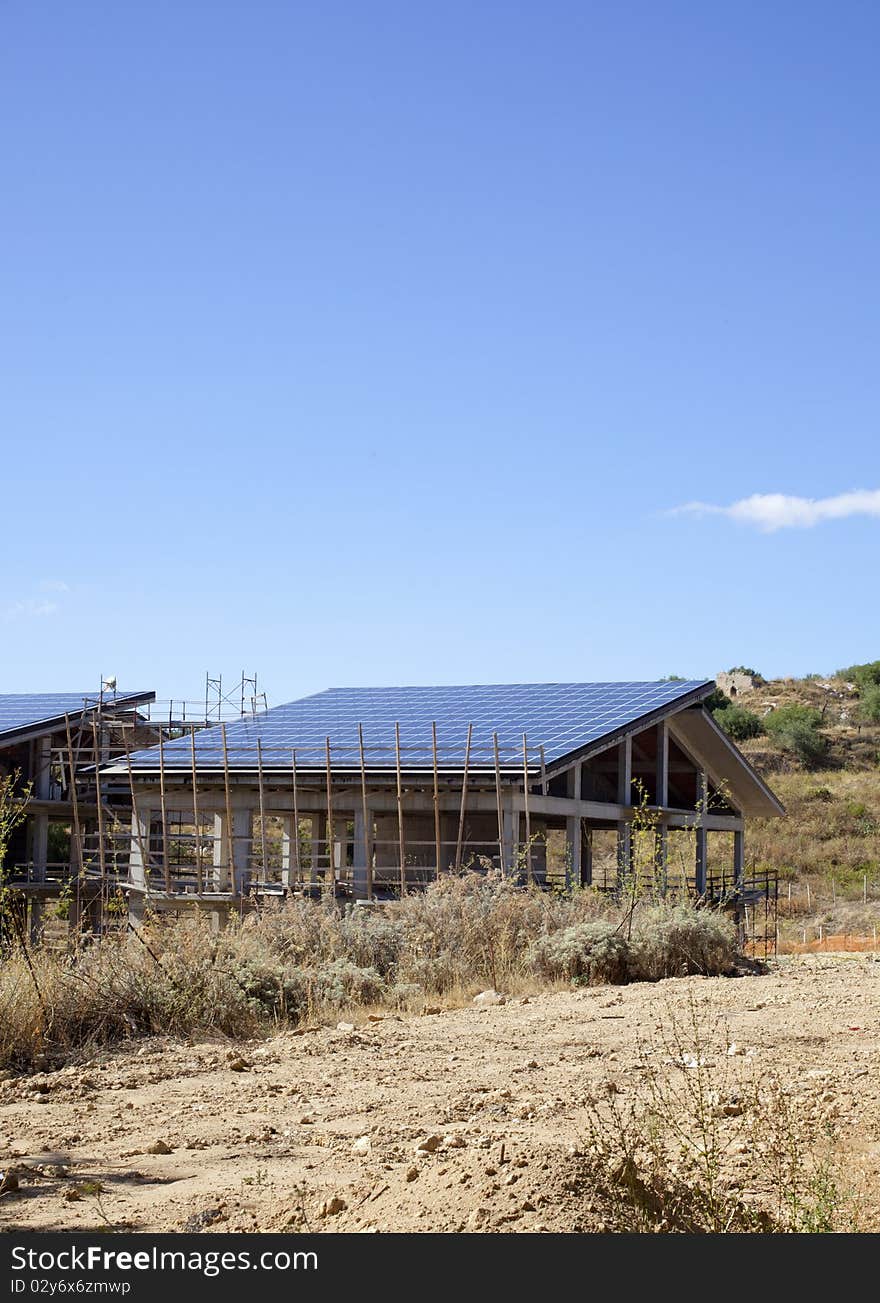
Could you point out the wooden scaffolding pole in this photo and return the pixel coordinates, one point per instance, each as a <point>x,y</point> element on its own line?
<point>400,839</point>
<point>498,802</point>
<point>296,864</point>
<point>368,859</point>
<point>71,768</point>
<point>330,876</point>
<point>101,855</point>
<point>263,844</point>
<point>526,808</point>
<point>230,827</point>
<point>196,828</point>
<point>438,845</point>
<point>464,781</point>
<point>166,863</point>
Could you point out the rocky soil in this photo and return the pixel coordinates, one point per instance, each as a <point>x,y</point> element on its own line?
<point>459,1120</point>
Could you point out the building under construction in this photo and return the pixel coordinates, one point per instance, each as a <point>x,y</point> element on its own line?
<point>367,793</point>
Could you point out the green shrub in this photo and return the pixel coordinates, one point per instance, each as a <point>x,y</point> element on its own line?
<point>795,728</point>
<point>869,703</point>
<point>738,722</point>
<point>586,953</point>
<point>863,676</point>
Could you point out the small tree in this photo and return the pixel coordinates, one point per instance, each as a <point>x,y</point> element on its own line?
<point>738,722</point>
<point>795,728</point>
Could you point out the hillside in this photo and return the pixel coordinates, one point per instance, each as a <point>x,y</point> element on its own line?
<point>830,837</point>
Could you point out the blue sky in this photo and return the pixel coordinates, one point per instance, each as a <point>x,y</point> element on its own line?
<point>380,343</point>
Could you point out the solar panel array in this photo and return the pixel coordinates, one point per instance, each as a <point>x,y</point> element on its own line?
<point>560,717</point>
<point>20,710</point>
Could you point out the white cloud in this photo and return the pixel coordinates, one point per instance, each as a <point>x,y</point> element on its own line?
<point>772,511</point>
<point>29,609</point>
<point>53,586</point>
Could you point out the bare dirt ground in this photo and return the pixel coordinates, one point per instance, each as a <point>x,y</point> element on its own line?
<point>319,1130</point>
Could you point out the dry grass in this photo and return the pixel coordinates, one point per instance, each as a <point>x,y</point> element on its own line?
<point>308,960</point>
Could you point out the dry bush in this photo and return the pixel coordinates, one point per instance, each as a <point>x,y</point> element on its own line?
<point>305,959</point>
<point>678,940</point>
<point>586,953</point>
<point>703,1144</point>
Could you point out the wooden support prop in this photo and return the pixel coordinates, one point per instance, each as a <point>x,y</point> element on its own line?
<point>438,845</point>
<point>330,877</point>
<point>459,842</point>
<point>297,867</point>
<point>166,863</point>
<point>526,808</point>
<point>400,837</point>
<point>230,829</point>
<point>102,860</point>
<point>77,831</point>
<point>498,800</point>
<point>368,859</point>
<point>263,843</point>
<point>197,830</point>
<point>543,774</point>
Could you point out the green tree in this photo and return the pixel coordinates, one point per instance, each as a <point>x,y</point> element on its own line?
<point>738,722</point>
<point>795,728</point>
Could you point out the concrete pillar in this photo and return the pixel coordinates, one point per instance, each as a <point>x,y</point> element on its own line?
<point>573,829</point>
<point>363,853</point>
<point>222,862</point>
<point>661,855</point>
<point>587,856</point>
<point>624,772</point>
<point>35,920</point>
<point>39,845</point>
<point>507,836</point>
<point>43,769</point>
<point>289,835</point>
<point>662,763</point>
<point>242,836</point>
<point>319,827</point>
<point>739,857</point>
<point>139,844</point>
<point>701,853</point>
<point>701,860</point>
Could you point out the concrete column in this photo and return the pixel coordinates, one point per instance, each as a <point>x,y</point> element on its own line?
<point>139,845</point>
<point>587,857</point>
<point>701,860</point>
<point>43,770</point>
<point>319,828</point>
<point>508,818</point>
<point>573,828</point>
<point>662,763</point>
<point>701,854</point>
<point>363,853</point>
<point>289,834</point>
<point>624,772</point>
<point>35,920</point>
<point>40,845</point>
<point>739,857</point>
<point>222,859</point>
<point>661,854</point>
<point>242,836</point>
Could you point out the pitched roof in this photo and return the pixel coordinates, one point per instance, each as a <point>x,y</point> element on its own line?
<point>563,718</point>
<point>28,714</point>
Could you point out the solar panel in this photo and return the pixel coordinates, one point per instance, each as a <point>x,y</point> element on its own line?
<point>560,717</point>
<point>22,710</point>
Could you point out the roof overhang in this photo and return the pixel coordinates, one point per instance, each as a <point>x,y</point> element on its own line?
<point>725,764</point>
